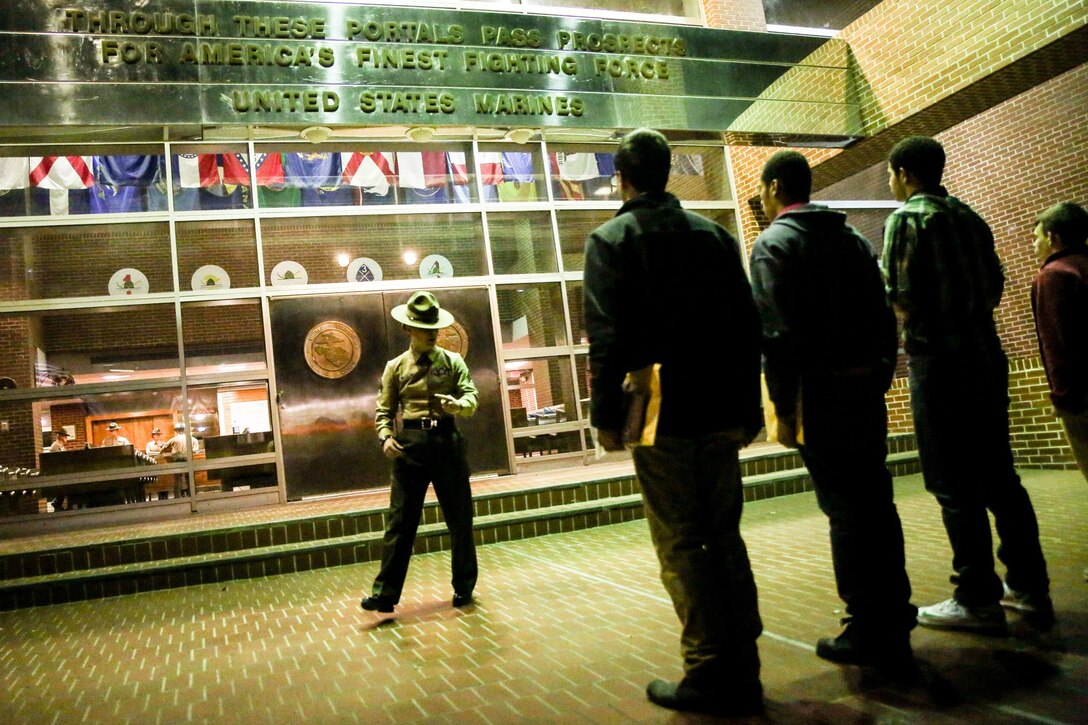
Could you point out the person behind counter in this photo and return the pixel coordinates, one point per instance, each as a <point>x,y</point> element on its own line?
<point>179,448</point>
<point>154,446</point>
<point>432,386</point>
<point>114,437</point>
<point>60,443</point>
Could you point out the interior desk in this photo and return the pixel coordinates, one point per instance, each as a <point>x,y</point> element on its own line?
<point>260,475</point>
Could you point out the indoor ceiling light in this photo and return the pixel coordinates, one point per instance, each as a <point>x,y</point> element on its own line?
<point>519,135</point>
<point>316,134</point>
<point>420,134</point>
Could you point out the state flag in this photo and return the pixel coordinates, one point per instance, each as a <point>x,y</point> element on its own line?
<point>518,166</point>
<point>196,171</point>
<point>115,199</point>
<point>372,171</point>
<point>490,163</point>
<point>687,165</point>
<point>14,173</point>
<point>61,172</point>
<point>312,170</point>
<point>577,167</point>
<point>131,170</point>
<point>421,169</point>
<point>458,167</point>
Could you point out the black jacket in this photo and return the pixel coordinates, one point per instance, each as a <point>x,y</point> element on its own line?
<point>821,298</point>
<point>664,285</point>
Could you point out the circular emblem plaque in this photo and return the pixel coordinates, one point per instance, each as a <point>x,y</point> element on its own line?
<point>332,349</point>
<point>128,282</point>
<point>454,338</point>
<point>210,277</point>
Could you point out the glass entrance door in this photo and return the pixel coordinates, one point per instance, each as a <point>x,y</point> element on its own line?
<point>330,352</point>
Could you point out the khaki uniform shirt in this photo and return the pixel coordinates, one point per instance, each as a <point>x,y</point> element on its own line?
<point>58,446</point>
<point>114,440</point>
<point>407,387</point>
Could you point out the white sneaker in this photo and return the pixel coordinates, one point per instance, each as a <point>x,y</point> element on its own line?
<point>950,614</point>
<point>1027,602</point>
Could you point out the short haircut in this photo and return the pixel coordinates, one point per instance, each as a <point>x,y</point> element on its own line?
<point>922,156</point>
<point>644,159</point>
<point>1068,221</point>
<point>793,173</point>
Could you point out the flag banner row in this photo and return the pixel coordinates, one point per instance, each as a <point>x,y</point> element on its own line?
<point>130,183</point>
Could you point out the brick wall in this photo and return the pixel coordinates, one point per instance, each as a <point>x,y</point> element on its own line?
<point>1003,86</point>
<point>746,163</point>
<point>735,14</point>
<point>1012,162</point>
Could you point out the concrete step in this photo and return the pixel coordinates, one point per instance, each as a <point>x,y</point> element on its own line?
<point>53,576</point>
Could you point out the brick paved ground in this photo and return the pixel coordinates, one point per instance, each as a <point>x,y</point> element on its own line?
<point>568,628</point>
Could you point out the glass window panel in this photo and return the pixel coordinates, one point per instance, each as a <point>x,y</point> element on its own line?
<point>406,246</point>
<point>82,180</point>
<point>236,478</point>
<point>121,260</point>
<point>583,172</point>
<point>575,292</point>
<point>217,254</point>
<point>698,173</point>
<point>511,173</point>
<point>293,175</point>
<point>90,447</point>
<point>233,419</point>
<point>574,228</point>
<point>826,15</point>
<point>209,177</point>
<point>724,217</point>
<point>531,316</point>
<point>548,444</point>
<point>541,391</point>
<point>522,243</point>
<point>89,345</point>
<point>224,336</point>
<point>870,222</point>
<point>581,370</point>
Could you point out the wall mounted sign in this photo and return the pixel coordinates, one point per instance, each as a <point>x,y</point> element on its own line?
<point>210,277</point>
<point>364,269</point>
<point>288,273</point>
<point>435,265</point>
<point>128,282</point>
<point>332,349</point>
<point>175,62</point>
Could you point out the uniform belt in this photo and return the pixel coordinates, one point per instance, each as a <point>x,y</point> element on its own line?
<point>444,423</point>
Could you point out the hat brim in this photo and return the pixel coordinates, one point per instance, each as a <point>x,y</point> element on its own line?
<point>400,314</point>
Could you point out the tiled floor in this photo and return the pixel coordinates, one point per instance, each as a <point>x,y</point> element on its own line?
<point>568,628</point>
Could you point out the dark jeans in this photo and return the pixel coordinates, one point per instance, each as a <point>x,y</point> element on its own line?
<point>960,405</point>
<point>692,492</point>
<point>438,457</point>
<point>846,429</point>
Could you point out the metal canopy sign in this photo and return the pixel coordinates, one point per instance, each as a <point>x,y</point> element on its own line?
<point>289,63</point>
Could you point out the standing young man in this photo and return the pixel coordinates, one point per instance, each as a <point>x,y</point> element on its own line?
<point>1059,301</point>
<point>666,286</point>
<point>829,337</point>
<point>945,280</point>
<point>430,386</point>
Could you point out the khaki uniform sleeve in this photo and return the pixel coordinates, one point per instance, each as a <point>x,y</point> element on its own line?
<point>464,388</point>
<point>385,407</point>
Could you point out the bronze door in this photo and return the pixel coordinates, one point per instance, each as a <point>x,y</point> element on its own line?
<point>329,354</point>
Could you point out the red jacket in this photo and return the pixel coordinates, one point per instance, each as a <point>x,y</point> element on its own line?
<point>1059,301</point>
